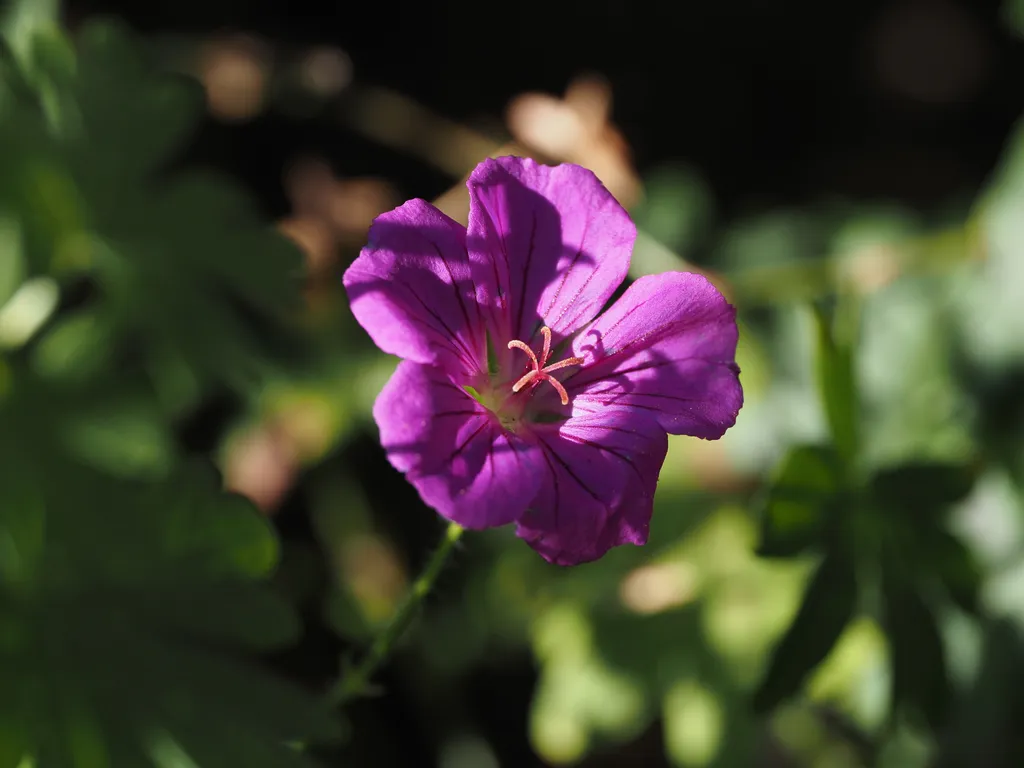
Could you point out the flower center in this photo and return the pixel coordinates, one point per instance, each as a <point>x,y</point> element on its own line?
<point>541,371</point>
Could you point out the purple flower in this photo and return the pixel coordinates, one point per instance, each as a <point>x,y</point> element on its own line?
<point>512,403</point>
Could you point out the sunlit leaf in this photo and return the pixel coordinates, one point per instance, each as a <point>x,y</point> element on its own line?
<point>837,386</point>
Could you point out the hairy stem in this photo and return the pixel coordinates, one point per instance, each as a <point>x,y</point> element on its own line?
<point>355,681</point>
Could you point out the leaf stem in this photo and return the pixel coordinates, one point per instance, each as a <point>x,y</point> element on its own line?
<point>356,680</point>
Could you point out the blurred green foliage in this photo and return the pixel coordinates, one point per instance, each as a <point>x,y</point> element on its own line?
<point>134,590</point>
<point>847,587</point>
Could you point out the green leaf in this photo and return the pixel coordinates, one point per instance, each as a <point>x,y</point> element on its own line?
<point>76,347</point>
<point>956,567</point>
<point>800,501</point>
<point>923,488</point>
<point>12,259</point>
<point>184,265</point>
<point>986,729</point>
<point>919,674</point>
<point>13,743</point>
<point>226,533</point>
<point>132,118</point>
<point>1012,12</point>
<point>835,370</point>
<point>676,208</point>
<point>826,610</point>
<point>42,60</point>
<point>137,618</point>
<point>125,436</point>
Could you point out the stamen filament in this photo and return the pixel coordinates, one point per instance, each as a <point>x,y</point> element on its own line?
<point>541,371</point>
<point>563,364</point>
<point>558,388</point>
<point>546,353</point>
<point>525,380</point>
<point>517,344</point>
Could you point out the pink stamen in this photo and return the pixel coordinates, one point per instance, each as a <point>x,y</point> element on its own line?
<point>541,371</point>
<point>546,353</point>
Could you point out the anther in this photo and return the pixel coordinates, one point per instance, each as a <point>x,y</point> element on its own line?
<point>541,371</point>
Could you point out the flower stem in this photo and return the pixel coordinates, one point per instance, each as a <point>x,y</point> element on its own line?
<point>356,680</point>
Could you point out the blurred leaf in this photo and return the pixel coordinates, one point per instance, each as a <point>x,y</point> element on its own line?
<point>1013,16</point>
<point>12,260</point>
<point>986,729</point>
<point>912,407</point>
<point>990,294</point>
<point>957,569</point>
<point>694,724</point>
<point>184,269</point>
<point>837,386</point>
<point>134,605</point>
<point>13,744</point>
<point>579,694</point>
<point>22,20</point>
<point>923,488</point>
<point>800,500</point>
<point>76,347</point>
<point>123,435</point>
<point>913,499</point>
<point>676,208</point>
<point>132,117</point>
<point>41,54</point>
<point>919,675</point>
<point>827,608</point>
<point>27,311</point>
<point>773,239</point>
<point>223,532</point>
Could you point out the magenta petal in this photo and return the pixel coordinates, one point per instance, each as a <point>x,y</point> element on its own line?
<point>453,450</point>
<point>549,245</point>
<point>412,290</point>
<point>599,490</point>
<point>666,348</point>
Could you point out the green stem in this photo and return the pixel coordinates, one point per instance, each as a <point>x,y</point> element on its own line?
<point>356,680</point>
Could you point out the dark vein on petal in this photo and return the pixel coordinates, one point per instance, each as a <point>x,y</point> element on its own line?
<point>574,476</point>
<point>445,414</point>
<point>613,428</point>
<point>455,287</point>
<point>554,474</point>
<point>468,355</point>
<point>465,443</point>
<point>496,225</point>
<point>526,271</point>
<point>591,443</point>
